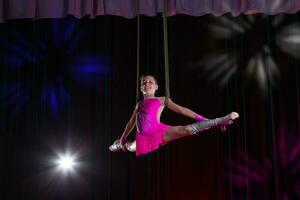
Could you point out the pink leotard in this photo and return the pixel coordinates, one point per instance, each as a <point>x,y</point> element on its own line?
<point>150,130</point>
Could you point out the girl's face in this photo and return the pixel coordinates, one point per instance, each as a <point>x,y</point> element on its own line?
<point>148,85</point>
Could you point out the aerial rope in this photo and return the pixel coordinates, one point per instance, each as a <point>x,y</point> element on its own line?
<point>166,51</point>
<point>138,51</point>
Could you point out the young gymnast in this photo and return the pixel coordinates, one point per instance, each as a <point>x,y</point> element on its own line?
<point>150,132</point>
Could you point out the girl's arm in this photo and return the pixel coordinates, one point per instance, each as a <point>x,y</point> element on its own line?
<point>184,111</point>
<point>129,126</point>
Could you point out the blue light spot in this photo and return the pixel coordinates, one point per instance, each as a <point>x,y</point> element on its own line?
<point>64,96</point>
<point>54,103</point>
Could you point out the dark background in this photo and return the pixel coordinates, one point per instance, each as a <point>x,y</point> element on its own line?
<point>97,110</point>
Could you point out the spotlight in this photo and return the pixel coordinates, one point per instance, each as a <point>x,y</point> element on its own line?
<point>66,163</point>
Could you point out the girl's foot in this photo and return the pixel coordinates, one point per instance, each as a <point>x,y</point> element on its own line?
<point>131,146</point>
<point>228,119</point>
<point>116,146</point>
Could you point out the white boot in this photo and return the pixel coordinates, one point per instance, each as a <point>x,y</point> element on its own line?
<point>206,124</point>
<point>131,146</point>
<point>116,146</point>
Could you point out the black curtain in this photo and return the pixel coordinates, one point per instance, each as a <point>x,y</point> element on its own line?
<point>70,84</point>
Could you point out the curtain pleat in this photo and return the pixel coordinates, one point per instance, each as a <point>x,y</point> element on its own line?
<point>13,9</point>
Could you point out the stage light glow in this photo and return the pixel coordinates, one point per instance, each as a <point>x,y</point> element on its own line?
<point>54,56</point>
<point>241,51</point>
<point>66,163</point>
<point>247,172</point>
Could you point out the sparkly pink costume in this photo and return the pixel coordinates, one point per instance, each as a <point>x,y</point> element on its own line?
<point>150,130</point>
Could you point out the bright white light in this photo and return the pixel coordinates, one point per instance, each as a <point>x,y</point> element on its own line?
<point>66,163</point>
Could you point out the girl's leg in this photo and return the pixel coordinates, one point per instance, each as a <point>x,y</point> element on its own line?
<point>177,132</point>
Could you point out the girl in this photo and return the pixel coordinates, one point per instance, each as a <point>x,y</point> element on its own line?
<point>151,133</point>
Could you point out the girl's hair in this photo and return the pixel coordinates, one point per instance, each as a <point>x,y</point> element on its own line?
<point>144,75</point>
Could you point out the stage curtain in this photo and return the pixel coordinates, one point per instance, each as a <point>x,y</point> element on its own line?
<point>36,9</point>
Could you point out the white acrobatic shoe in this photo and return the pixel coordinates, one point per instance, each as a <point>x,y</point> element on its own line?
<point>228,119</point>
<point>131,146</point>
<point>116,146</point>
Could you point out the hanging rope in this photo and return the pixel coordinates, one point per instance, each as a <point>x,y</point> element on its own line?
<point>166,51</point>
<point>138,51</point>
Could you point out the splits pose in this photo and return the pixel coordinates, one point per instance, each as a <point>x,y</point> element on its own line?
<point>151,133</point>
